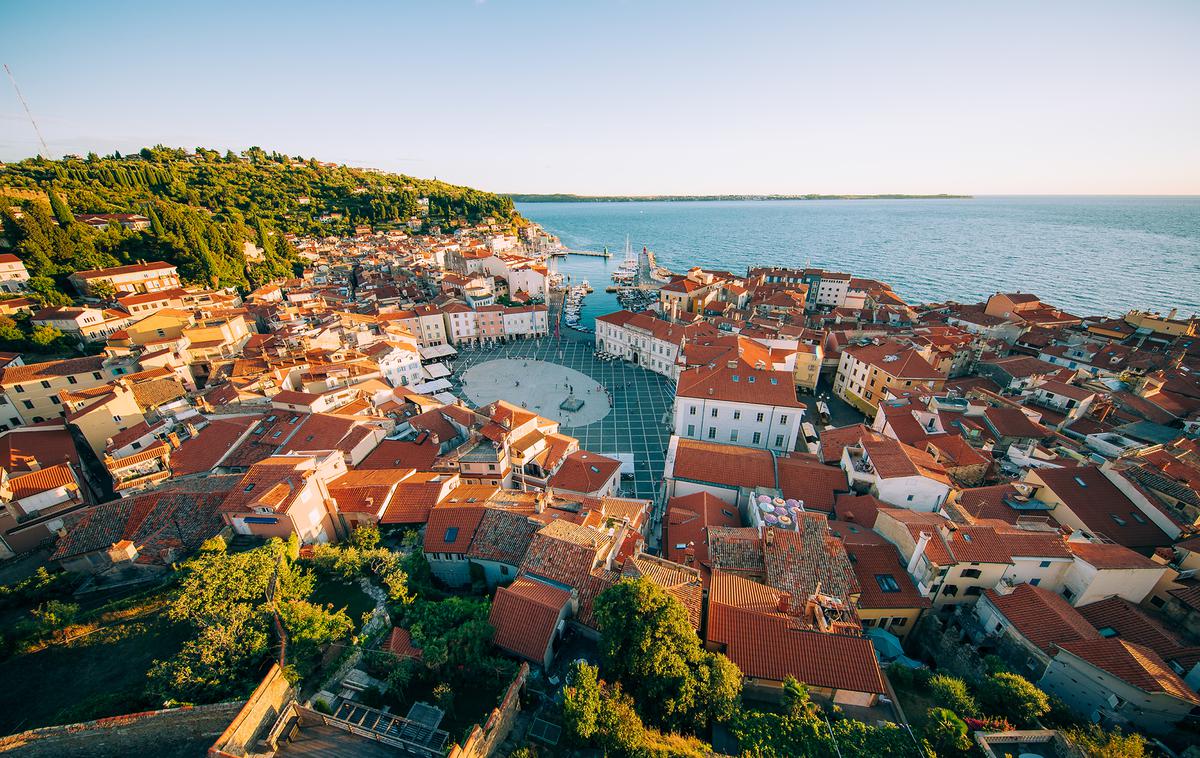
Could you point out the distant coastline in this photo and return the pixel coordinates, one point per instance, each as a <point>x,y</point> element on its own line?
<point>566,198</point>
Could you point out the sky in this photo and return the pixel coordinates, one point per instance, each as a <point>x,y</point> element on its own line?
<point>611,97</point>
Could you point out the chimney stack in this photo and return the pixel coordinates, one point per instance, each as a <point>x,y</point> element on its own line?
<point>784,603</point>
<point>918,551</point>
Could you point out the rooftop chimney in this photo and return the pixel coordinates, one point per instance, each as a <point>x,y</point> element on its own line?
<point>784,603</point>
<point>918,551</point>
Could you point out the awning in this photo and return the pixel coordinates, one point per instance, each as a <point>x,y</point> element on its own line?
<point>445,398</point>
<point>435,371</point>
<point>430,388</point>
<point>436,352</point>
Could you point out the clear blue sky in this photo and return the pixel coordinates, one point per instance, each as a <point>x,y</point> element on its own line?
<point>634,97</point>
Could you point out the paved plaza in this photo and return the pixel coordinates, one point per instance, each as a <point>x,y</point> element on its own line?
<point>637,423</point>
<point>538,386</point>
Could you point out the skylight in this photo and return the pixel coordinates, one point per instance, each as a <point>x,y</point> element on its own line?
<point>451,535</point>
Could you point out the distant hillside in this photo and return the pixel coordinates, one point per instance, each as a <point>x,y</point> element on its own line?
<point>686,198</point>
<point>204,206</point>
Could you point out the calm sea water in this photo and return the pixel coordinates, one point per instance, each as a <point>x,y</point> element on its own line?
<point>1087,255</point>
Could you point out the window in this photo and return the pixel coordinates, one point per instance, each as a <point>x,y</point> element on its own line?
<point>779,440</point>
<point>1035,581</point>
<point>1120,521</point>
<point>38,419</point>
<point>96,375</point>
<point>451,535</point>
<point>45,384</point>
<point>1138,517</point>
<point>887,583</point>
<point>1067,593</point>
<point>1157,602</point>
<point>248,487</point>
<point>783,419</point>
<point>714,412</point>
<point>910,498</point>
<point>868,623</point>
<point>691,430</point>
<point>757,438</point>
<point>72,380</point>
<point>971,573</point>
<point>973,591</point>
<point>117,418</point>
<point>712,432</point>
<point>1044,564</point>
<point>737,415</point>
<point>759,418</point>
<point>899,621</point>
<point>28,405</point>
<point>20,388</point>
<point>950,590</point>
<point>491,467</point>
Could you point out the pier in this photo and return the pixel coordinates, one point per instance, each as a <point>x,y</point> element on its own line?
<point>591,253</point>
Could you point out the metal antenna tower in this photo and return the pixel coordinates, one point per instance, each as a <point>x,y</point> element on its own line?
<point>45,150</point>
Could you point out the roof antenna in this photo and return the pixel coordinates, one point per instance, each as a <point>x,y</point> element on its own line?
<point>45,150</point>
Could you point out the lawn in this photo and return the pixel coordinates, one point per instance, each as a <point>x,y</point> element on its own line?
<point>102,674</point>
<point>347,595</point>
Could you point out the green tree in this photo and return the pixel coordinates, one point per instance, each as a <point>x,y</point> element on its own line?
<point>951,692</point>
<point>45,336</point>
<point>650,647</point>
<point>1097,743</point>
<point>946,732</point>
<point>1015,698</point>
<point>582,701</point>
<point>230,600</point>
<point>103,290</point>
<point>619,727</point>
<point>60,209</point>
<point>9,331</point>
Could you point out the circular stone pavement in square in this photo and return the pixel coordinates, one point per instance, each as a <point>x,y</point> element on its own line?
<point>537,386</point>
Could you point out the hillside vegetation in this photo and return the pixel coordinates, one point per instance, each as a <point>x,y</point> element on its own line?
<point>204,206</point>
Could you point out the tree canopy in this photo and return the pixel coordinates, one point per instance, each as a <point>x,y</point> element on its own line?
<point>650,648</point>
<point>232,601</point>
<point>203,206</point>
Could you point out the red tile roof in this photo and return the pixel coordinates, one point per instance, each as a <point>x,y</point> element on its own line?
<point>743,384</point>
<point>585,472</point>
<point>685,533</point>
<point>895,359</point>
<point>1088,493</point>
<point>1137,665</point>
<point>805,478</point>
<point>51,369</point>
<point>833,441</point>
<point>564,552</point>
<point>1041,616</point>
<point>724,464</point>
<point>766,644</point>
<point>1118,617</point>
<point>525,614</point>
<point>399,642</point>
<point>415,497</point>
<point>875,562</point>
<point>1107,555</point>
<point>451,528</point>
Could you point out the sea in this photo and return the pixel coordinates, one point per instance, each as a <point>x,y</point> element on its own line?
<point>1087,255</point>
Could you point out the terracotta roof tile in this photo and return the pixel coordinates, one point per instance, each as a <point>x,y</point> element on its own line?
<point>1139,666</point>
<point>525,614</point>
<point>1042,617</point>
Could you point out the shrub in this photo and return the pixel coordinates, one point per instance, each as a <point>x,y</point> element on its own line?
<point>952,693</point>
<point>946,732</point>
<point>1014,697</point>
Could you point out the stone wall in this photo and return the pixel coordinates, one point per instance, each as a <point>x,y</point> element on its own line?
<point>256,717</point>
<point>482,741</point>
<point>175,733</point>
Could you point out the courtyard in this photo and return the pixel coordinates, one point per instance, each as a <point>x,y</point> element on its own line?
<point>638,421</point>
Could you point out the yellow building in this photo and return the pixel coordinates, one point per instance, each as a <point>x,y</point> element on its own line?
<point>168,323</point>
<point>1159,324</point>
<point>101,413</point>
<point>31,393</point>
<point>865,373</point>
<point>808,366</point>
